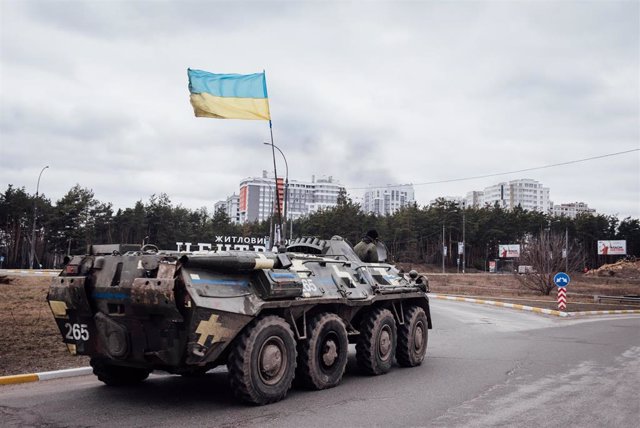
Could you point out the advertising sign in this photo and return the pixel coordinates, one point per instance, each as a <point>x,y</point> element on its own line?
<point>492,266</point>
<point>510,250</point>
<point>227,243</point>
<point>460,247</point>
<point>612,248</point>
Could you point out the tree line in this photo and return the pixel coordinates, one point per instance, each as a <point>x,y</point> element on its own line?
<point>413,235</point>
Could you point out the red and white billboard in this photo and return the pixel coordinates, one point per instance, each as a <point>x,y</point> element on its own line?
<point>612,248</point>
<point>510,250</point>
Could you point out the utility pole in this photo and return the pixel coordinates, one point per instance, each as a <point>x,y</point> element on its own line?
<point>566,251</point>
<point>464,240</point>
<point>443,247</point>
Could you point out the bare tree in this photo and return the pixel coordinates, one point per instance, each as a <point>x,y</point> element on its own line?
<point>544,253</point>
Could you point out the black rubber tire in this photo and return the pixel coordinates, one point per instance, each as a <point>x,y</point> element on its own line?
<point>322,357</point>
<point>267,340</point>
<point>412,337</point>
<point>376,345</point>
<point>113,375</point>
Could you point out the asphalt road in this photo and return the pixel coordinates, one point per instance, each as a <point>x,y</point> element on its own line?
<point>486,366</point>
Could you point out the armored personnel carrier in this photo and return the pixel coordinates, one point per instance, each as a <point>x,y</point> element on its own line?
<point>269,316</point>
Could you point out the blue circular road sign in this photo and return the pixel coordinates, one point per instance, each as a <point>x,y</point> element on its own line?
<point>561,279</point>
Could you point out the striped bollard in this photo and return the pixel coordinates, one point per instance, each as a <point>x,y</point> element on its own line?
<point>562,298</point>
<point>561,280</point>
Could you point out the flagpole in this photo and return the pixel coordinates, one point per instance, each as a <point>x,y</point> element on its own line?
<point>275,172</point>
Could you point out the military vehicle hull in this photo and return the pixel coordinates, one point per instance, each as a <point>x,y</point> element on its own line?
<point>268,316</point>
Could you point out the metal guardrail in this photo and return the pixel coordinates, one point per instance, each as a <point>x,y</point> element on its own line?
<point>621,299</point>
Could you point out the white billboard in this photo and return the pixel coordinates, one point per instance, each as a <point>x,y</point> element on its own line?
<point>510,250</point>
<point>612,248</point>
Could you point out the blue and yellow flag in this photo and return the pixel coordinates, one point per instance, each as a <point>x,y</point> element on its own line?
<point>229,96</point>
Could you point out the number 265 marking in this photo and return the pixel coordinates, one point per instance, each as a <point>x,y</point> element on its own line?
<point>308,285</point>
<point>76,331</point>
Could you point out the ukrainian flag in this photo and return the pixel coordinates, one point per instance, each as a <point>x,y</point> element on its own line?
<point>229,96</point>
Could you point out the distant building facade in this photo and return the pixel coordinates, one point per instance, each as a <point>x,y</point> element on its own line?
<point>387,200</point>
<point>231,206</point>
<point>257,198</point>
<point>572,210</point>
<point>475,198</point>
<point>526,193</point>
<point>308,197</point>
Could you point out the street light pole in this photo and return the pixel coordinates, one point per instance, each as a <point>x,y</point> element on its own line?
<point>286,188</point>
<point>464,241</point>
<point>35,215</point>
<point>443,247</point>
<point>566,251</point>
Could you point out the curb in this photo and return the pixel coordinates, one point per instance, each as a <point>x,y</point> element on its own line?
<point>531,308</point>
<point>34,272</point>
<point>35,377</point>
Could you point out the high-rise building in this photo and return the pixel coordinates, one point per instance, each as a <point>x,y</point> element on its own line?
<point>231,206</point>
<point>388,200</point>
<point>572,209</point>
<point>256,201</point>
<point>474,198</point>
<point>307,197</point>
<point>528,194</point>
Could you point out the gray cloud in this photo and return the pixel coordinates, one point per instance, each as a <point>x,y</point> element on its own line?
<point>369,93</point>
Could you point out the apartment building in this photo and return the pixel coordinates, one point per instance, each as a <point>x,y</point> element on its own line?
<point>257,197</point>
<point>388,200</point>
<point>572,209</point>
<point>529,194</point>
<point>231,206</point>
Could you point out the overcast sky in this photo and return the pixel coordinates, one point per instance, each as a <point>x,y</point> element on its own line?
<point>371,93</point>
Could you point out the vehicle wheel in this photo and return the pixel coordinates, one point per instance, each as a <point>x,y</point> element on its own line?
<point>412,338</point>
<point>376,345</point>
<point>113,375</point>
<point>322,357</point>
<point>262,361</point>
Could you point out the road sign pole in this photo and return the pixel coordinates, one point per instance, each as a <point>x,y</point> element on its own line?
<point>562,298</point>
<point>561,279</point>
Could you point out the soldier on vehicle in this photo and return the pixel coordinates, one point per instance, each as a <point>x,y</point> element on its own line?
<point>366,249</point>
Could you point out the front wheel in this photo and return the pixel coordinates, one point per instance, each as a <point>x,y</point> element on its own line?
<point>376,345</point>
<point>113,375</point>
<point>412,338</point>
<point>322,357</point>
<point>262,361</point>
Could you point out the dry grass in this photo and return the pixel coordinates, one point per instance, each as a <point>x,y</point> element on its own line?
<point>29,339</point>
